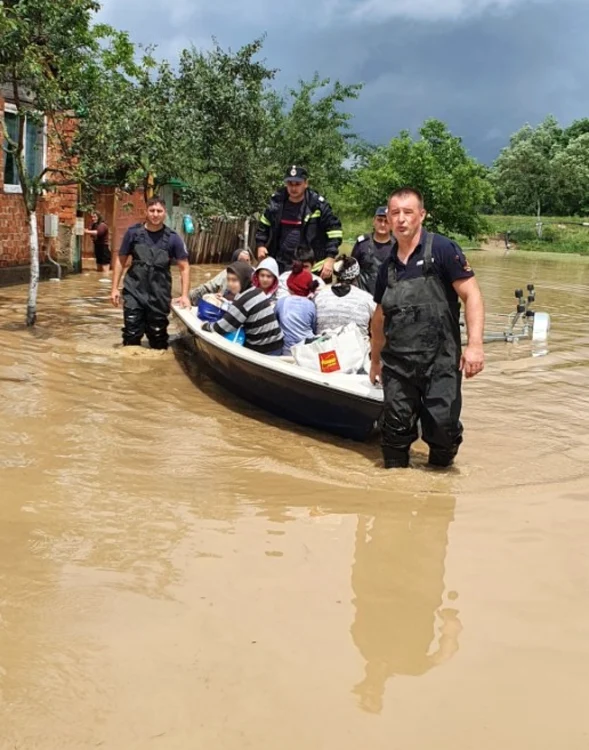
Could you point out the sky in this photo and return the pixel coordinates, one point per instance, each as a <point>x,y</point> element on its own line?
<point>485,67</point>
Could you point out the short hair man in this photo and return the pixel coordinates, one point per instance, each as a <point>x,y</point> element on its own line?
<point>416,343</point>
<point>298,216</point>
<point>372,250</point>
<point>147,251</point>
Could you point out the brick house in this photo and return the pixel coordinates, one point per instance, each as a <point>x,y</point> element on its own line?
<point>14,245</point>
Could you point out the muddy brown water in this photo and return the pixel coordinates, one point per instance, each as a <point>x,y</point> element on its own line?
<point>179,570</point>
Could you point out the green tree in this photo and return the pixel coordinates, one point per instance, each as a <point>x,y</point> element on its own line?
<point>522,173</point>
<point>570,178</point>
<point>575,129</point>
<point>127,126</point>
<point>312,128</point>
<point>222,129</point>
<point>455,187</point>
<point>47,49</point>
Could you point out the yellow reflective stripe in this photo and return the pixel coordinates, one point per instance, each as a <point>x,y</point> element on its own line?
<point>334,234</point>
<point>265,221</point>
<point>314,215</point>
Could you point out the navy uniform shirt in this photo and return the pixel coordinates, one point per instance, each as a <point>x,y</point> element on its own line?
<point>361,250</point>
<point>449,263</point>
<point>176,248</point>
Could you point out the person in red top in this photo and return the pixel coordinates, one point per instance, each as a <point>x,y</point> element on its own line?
<point>99,233</point>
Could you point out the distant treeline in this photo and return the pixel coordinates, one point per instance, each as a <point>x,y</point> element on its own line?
<point>543,170</point>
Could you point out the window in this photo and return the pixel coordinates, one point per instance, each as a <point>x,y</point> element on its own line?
<point>34,146</point>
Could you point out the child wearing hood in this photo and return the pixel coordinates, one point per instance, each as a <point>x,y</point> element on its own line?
<point>266,277</point>
<point>296,313</point>
<point>250,309</point>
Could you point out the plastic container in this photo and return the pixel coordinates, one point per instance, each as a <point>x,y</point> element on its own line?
<point>237,337</point>
<point>209,312</point>
<point>188,224</point>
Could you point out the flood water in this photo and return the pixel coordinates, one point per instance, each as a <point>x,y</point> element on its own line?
<point>179,570</point>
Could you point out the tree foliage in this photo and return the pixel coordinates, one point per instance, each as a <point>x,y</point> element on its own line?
<point>545,170</point>
<point>310,126</point>
<point>215,124</point>
<point>454,185</point>
<point>47,48</point>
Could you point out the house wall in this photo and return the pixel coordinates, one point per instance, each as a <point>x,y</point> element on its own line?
<point>120,211</point>
<point>14,233</point>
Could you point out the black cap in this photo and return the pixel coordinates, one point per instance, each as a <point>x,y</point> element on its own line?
<point>296,174</point>
<point>381,211</point>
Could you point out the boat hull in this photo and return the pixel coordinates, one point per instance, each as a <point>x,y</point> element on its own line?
<point>294,398</point>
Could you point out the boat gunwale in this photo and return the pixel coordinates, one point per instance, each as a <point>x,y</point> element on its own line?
<point>266,362</point>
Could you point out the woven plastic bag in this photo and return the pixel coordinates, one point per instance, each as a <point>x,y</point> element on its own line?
<point>343,350</point>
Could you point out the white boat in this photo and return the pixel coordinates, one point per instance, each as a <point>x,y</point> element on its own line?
<point>346,405</point>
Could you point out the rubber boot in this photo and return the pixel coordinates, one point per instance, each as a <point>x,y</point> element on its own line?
<point>395,459</point>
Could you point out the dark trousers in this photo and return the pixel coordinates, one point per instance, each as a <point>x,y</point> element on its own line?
<point>143,320</point>
<point>435,401</point>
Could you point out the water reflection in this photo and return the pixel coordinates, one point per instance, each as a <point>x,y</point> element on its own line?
<point>398,584</point>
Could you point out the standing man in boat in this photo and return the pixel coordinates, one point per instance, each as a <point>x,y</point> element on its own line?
<point>371,250</point>
<point>298,216</point>
<point>148,251</point>
<point>416,347</point>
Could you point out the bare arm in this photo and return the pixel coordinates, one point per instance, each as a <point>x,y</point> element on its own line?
<point>377,343</point>
<point>183,300</point>
<point>121,263</point>
<point>92,232</point>
<point>473,357</point>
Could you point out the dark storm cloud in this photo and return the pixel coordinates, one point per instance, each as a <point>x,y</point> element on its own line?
<point>484,67</point>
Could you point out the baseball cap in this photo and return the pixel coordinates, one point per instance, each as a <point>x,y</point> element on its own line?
<point>381,211</point>
<point>296,174</point>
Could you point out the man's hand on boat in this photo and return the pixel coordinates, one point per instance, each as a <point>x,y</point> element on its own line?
<point>472,361</point>
<point>327,270</point>
<point>183,301</point>
<point>376,372</point>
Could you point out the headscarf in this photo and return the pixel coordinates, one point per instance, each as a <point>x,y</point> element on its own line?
<point>239,251</point>
<point>346,271</point>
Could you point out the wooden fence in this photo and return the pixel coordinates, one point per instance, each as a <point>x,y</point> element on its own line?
<point>218,241</point>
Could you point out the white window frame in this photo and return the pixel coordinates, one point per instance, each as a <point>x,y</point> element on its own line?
<point>17,189</point>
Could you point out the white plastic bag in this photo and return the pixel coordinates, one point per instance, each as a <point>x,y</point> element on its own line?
<point>344,350</point>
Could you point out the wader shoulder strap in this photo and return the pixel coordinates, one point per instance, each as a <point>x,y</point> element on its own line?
<point>428,261</point>
<point>166,237</point>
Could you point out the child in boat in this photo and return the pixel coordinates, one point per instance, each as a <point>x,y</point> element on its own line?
<point>344,302</point>
<point>266,278</point>
<point>296,313</point>
<point>218,284</point>
<point>307,257</point>
<point>250,310</point>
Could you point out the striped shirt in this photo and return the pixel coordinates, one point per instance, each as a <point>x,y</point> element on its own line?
<point>333,312</point>
<point>254,312</point>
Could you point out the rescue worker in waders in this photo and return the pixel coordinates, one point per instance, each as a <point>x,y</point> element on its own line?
<point>416,347</point>
<point>372,250</point>
<point>299,217</point>
<point>148,251</point>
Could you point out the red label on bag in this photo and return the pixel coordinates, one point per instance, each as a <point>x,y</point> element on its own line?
<point>328,362</point>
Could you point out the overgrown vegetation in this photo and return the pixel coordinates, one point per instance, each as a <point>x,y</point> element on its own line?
<point>559,234</point>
